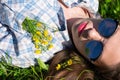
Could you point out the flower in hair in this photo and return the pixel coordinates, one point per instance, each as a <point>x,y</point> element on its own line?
<point>58,66</point>
<point>69,62</point>
<point>64,64</point>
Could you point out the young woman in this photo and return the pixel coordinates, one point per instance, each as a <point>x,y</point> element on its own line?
<point>97,43</point>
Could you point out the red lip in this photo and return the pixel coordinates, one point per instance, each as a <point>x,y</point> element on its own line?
<point>81,27</point>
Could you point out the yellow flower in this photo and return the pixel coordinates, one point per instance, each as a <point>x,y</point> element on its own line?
<point>36,46</point>
<point>34,37</point>
<point>45,32</point>
<point>37,41</point>
<point>49,38</point>
<point>38,51</point>
<point>50,46</point>
<point>58,66</point>
<point>38,33</point>
<point>69,62</point>
<point>44,42</point>
<point>39,24</point>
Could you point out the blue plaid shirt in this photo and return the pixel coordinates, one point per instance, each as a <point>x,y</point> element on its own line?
<point>16,44</point>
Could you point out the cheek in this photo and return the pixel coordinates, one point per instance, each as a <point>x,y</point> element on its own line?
<point>80,46</point>
<point>111,50</point>
<point>111,53</point>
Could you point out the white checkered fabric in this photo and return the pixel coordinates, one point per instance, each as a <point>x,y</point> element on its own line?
<point>16,44</point>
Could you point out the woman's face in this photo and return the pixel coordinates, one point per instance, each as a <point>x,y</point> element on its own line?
<point>97,40</point>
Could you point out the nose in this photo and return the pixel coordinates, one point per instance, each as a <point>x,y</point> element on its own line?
<point>94,35</point>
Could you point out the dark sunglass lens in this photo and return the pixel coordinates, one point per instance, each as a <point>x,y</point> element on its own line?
<point>94,49</point>
<point>107,27</point>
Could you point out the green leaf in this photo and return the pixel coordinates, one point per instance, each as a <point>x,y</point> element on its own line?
<point>42,65</point>
<point>29,25</point>
<point>34,71</point>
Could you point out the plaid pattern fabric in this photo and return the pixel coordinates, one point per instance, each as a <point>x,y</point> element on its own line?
<point>15,43</point>
<point>91,5</point>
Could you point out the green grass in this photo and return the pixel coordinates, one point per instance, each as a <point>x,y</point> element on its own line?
<point>107,8</point>
<point>110,9</point>
<point>9,72</point>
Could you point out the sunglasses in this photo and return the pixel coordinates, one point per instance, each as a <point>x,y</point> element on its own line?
<point>106,28</point>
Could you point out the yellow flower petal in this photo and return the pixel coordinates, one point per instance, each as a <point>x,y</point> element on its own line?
<point>45,32</point>
<point>38,33</point>
<point>39,24</point>
<point>44,42</point>
<point>50,46</point>
<point>38,51</point>
<point>34,37</point>
<point>36,46</point>
<point>49,38</point>
<point>69,62</point>
<point>58,66</point>
<point>37,41</point>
